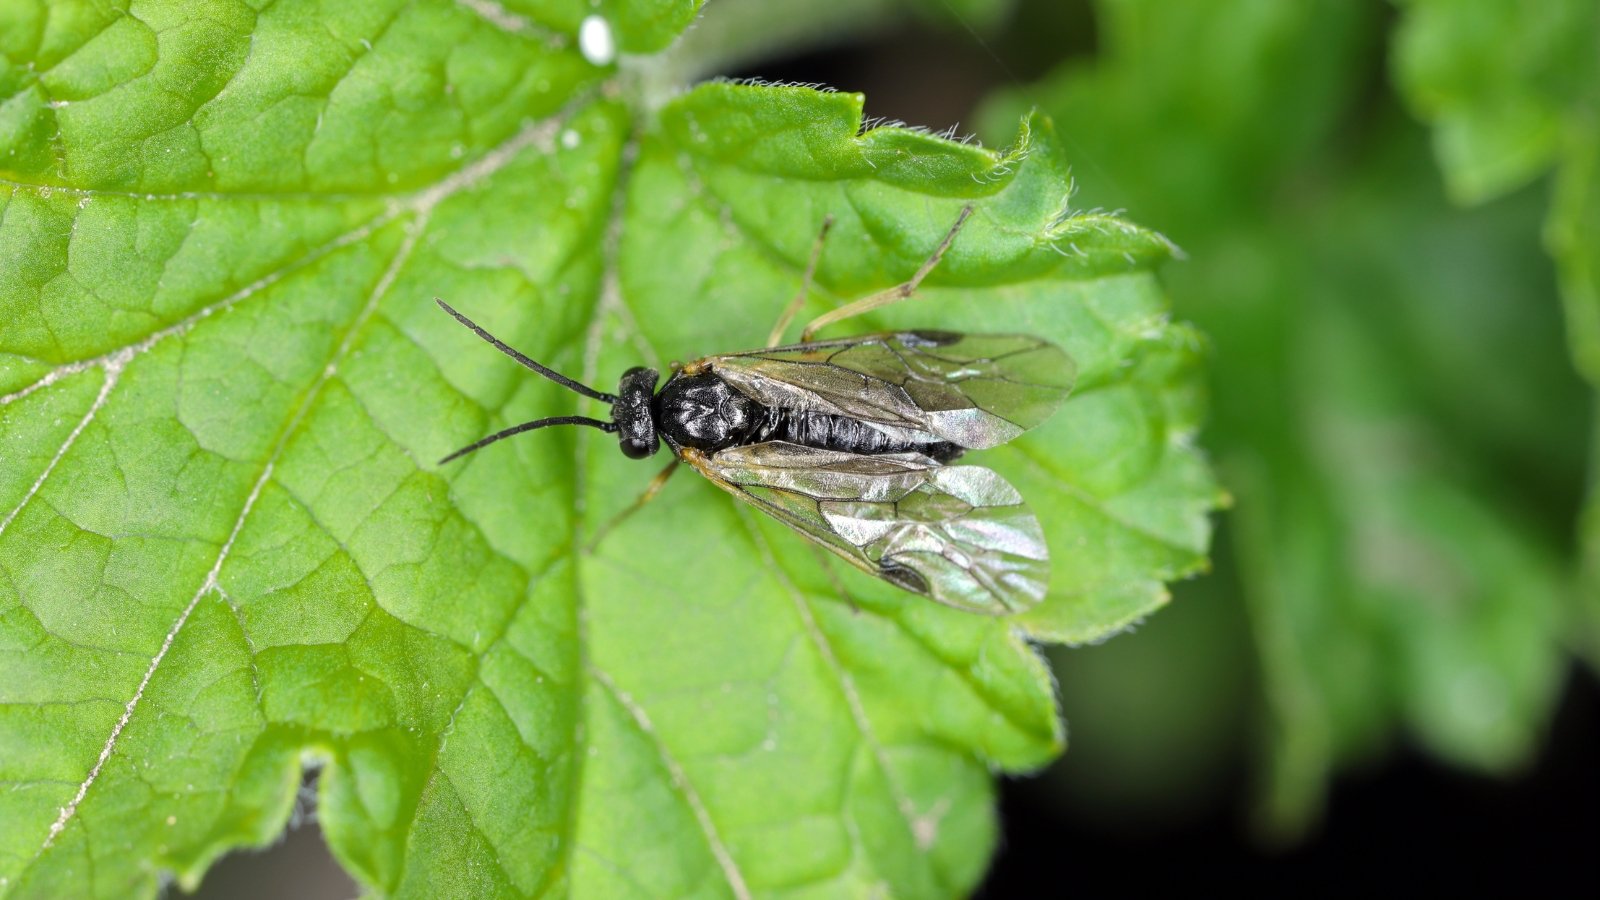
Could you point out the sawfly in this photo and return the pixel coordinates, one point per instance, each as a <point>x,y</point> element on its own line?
<point>849,442</point>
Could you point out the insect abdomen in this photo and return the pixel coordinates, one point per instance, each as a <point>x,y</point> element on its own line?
<point>842,433</point>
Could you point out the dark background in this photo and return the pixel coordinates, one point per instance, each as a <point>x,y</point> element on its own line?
<point>1403,822</point>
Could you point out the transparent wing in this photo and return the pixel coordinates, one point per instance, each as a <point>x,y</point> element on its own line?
<point>958,534</point>
<point>974,390</point>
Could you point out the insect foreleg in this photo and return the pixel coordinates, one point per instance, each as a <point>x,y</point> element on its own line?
<point>650,492</point>
<point>805,287</point>
<point>892,295</point>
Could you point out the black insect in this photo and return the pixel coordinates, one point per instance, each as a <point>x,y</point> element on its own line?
<point>847,442</point>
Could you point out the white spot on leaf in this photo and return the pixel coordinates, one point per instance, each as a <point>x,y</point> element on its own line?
<point>596,42</point>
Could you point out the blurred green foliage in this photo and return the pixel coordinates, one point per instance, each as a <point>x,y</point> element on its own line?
<point>1513,90</point>
<point>1392,410</point>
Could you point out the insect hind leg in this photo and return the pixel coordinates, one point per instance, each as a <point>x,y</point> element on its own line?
<point>789,312</point>
<point>892,295</point>
<point>649,493</point>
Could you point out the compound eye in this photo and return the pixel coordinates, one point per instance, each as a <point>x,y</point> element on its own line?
<point>638,448</point>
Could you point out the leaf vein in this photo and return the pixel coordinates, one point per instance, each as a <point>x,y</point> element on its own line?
<point>1092,502</point>
<point>858,712</point>
<point>211,580</point>
<point>113,367</point>
<point>680,781</point>
<point>514,23</point>
<point>187,323</point>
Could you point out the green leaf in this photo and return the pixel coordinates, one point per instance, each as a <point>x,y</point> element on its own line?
<point>1499,80</point>
<point>745,34</point>
<point>1140,510</point>
<point>1513,90</point>
<point>1197,78</point>
<point>1381,369</point>
<point>226,553</point>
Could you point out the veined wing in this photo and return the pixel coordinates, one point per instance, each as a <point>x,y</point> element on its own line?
<point>973,390</point>
<point>958,534</point>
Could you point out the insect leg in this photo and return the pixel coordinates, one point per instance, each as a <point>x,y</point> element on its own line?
<point>892,295</point>
<point>650,492</point>
<point>805,287</point>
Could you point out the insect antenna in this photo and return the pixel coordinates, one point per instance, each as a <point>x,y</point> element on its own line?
<point>608,427</point>
<point>551,374</point>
